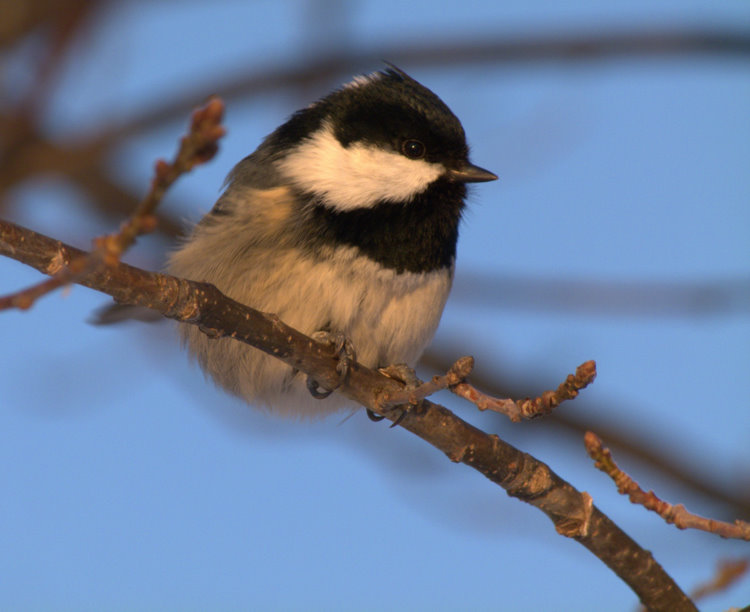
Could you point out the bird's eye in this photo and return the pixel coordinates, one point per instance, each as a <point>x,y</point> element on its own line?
<point>413,149</point>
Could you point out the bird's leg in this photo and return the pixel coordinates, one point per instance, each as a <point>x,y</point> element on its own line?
<point>347,356</point>
<point>402,373</point>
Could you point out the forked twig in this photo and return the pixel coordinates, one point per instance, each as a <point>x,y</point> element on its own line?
<point>198,146</point>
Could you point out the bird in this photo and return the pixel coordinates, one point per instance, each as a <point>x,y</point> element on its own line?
<point>343,223</point>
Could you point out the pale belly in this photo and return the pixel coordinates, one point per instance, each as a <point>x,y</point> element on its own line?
<point>389,317</point>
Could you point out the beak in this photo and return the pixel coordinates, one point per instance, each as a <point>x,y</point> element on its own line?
<point>469,173</point>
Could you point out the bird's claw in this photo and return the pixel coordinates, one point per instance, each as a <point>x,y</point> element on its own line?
<point>405,375</point>
<point>373,417</point>
<point>315,389</point>
<point>346,354</point>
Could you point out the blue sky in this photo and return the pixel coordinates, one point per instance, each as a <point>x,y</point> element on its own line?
<point>129,482</point>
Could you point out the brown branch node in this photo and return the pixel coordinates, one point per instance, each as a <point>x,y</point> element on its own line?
<point>575,526</point>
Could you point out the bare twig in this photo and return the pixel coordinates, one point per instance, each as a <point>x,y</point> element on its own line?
<point>674,514</point>
<point>516,410</point>
<point>197,147</point>
<point>455,374</point>
<point>631,442</point>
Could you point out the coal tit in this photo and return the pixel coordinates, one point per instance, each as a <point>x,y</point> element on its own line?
<point>345,219</point>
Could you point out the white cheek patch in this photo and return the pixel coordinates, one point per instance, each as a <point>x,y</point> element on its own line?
<point>357,176</point>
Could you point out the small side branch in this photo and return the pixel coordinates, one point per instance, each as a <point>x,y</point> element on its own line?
<point>675,514</point>
<point>517,410</point>
<point>455,375</point>
<point>198,146</point>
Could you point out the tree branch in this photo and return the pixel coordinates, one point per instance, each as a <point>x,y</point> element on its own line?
<point>455,375</point>
<point>521,475</point>
<point>574,425</point>
<point>674,514</point>
<point>197,147</point>
<point>517,410</point>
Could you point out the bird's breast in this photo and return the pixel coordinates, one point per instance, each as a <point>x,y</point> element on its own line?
<point>390,316</point>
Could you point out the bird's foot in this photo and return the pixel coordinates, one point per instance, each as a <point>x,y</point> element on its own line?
<point>346,354</point>
<point>402,373</point>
